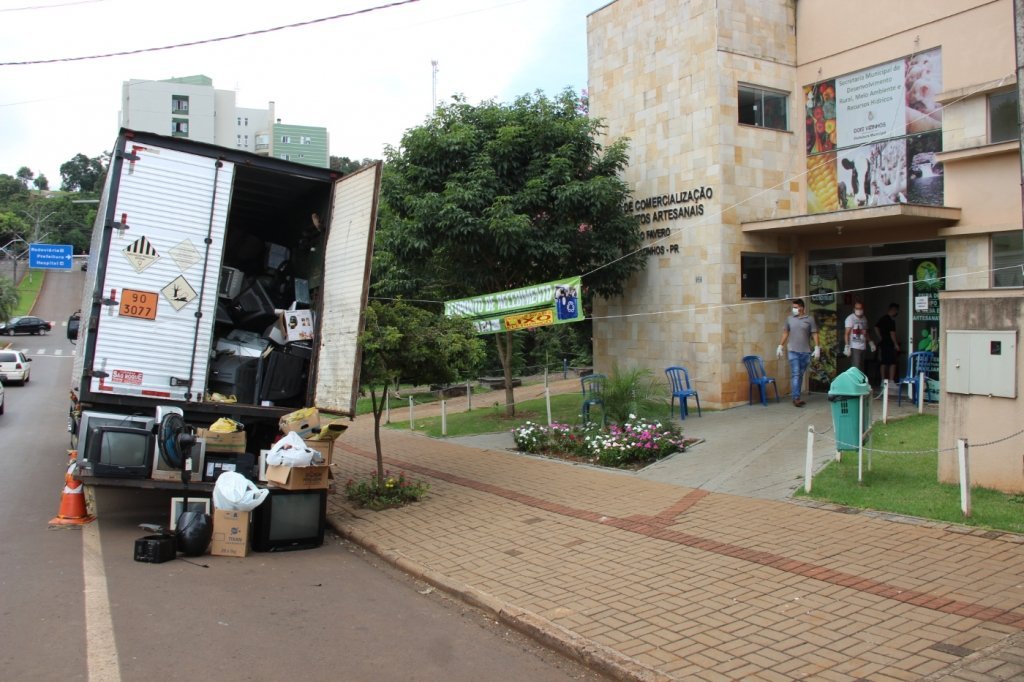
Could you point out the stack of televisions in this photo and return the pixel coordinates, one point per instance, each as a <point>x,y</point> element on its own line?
<point>292,516</point>
<point>261,356</point>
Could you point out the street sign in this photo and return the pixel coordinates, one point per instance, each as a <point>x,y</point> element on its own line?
<point>49,256</point>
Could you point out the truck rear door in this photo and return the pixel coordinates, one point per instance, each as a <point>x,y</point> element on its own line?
<point>161,272</point>
<point>346,286</point>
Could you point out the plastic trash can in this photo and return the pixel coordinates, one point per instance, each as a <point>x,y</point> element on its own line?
<point>844,393</point>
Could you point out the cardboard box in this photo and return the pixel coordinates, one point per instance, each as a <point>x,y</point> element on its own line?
<point>324,447</point>
<point>230,533</point>
<point>297,325</point>
<point>223,442</point>
<point>301,422</point>
<point>299,478</point>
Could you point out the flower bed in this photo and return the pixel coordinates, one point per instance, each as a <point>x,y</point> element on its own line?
<point>632,444</point>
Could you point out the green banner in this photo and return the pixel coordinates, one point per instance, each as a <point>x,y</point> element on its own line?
<point>538,305</point>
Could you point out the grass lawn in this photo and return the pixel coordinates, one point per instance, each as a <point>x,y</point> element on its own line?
<point>365,405</point>
<point>565,408</point>
<point>907,484</point>
<point>28,292</point>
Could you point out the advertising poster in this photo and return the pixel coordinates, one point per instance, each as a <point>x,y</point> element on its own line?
<point>872,136</point>
<point>538,305</point>
<point>824,282</point>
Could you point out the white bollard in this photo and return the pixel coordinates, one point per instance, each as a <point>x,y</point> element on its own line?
<point>860,440</point>
<point>547,402</point>
<point>444,417</point>
<point>809,463</point>
<point>920,392</point>
<point>469,397</point>
<point>387,406</point>
<point>963,459</point>
<point>885,401</point>
<point>412,420</point>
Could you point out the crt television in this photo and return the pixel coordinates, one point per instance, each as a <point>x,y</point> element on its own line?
<point>120,451</point>
<point>290,519</point>
<point>90,419</point>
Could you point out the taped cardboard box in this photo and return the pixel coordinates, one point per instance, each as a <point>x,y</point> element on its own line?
<point>323,442</point>
<point>302,422</point>
<point>297,325</point>
<point>299,478</point>
<point>324,447</point>
<point>230,533</point>
<point>223,442</point>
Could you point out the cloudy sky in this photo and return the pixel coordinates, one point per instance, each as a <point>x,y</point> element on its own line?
<point>366,78</point>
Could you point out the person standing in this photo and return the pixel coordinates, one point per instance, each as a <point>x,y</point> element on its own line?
<point>857,337</point>
<point>799,329</point>
<point>888,345</point>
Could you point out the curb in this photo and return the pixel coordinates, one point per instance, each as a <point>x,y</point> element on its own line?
<point>596,656</point>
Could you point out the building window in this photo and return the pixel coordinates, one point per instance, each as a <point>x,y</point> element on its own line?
<point>246,140</point>
<point>286,157</point>
<point>286,139</point>
<point>305,139</point>
<point>764,276</point>
<point>238,141</point>
<point>179,127</point>
<point>1002,116</point>
<point>763,108</point>
<point>262,141</point>
<point>1008,259</point>
<point>239,120</point>
<point>179,104</point>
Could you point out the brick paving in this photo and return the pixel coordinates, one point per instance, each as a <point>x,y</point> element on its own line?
<point>681,583</point>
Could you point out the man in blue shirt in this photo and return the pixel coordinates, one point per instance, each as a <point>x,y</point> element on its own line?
<point>799,329</point>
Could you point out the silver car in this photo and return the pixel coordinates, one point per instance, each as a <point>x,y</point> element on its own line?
<point>14,367</point>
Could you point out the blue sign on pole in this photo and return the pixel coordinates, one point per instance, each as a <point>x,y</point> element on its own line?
<point>49,256</point>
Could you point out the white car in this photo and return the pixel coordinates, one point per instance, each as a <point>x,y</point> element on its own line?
<point>14,366</point>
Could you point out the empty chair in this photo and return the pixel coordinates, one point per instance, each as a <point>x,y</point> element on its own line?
<point>917,362</point>
<point>593,394</point>
<point>679,383</point>
<point>755,371</point>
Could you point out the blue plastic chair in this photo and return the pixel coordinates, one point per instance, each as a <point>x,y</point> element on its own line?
<point>917,362</point>
<point>755,370</point>
<point>679,382</point>
<point>593,394</point>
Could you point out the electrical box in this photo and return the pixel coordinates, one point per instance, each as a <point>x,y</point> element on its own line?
<point>980,362</point>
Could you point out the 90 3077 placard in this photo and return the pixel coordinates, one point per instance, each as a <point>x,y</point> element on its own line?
<point>140,304</point>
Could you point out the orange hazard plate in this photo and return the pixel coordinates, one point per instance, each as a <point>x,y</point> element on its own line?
<point>141,304</point>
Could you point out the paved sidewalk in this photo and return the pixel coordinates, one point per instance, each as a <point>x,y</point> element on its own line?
<point>649,579</point>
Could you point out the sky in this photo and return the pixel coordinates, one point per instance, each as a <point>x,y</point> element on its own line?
<point>366,78</point>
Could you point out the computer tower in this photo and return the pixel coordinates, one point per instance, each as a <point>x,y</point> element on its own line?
<point>234,375</point>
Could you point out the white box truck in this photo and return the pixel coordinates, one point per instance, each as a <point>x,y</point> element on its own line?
<point>220,284</point>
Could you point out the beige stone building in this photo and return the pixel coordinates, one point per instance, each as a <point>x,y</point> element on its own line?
<point>805,148</point>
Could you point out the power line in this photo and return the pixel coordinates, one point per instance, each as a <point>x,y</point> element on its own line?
<point>207,41</point>
<point>53,6</point>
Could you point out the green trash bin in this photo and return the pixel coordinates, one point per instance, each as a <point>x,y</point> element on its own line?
<point>844,393</point>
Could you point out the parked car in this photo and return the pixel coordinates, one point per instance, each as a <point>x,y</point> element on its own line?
<point>25,325</point>
<point>14,366</point>
<point>73,323</point>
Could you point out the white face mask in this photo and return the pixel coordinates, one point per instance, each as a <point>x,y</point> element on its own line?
<point>796,311</point>
<point>858,313</point>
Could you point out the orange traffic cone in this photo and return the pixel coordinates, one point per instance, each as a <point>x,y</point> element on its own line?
<point>72,505</point>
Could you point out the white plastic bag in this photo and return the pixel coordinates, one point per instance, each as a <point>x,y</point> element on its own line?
<point>291,451</point>
<point>235,492</point>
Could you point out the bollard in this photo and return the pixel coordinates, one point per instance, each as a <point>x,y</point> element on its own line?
<point>963,459</point>
<point>920,392</point>
<point>809,464</point>
<point>412,421</point>
<point>387,405</point>
<point>444,418</point>
<point>885,401</point>
<point>565,368</point>
<point>860,440</point>
<point>545,377</point>
<point>469,397</point>
<point>547,402</point>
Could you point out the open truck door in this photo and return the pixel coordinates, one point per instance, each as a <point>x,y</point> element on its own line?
<point>346,287</point>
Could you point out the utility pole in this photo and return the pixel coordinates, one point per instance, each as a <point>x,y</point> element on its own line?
<point>433,86</point>
<point>1018,34</point>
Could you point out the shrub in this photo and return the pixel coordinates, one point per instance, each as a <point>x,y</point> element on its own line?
<point>380,493</point>
<point>631,392</point>
<point>637,440</point>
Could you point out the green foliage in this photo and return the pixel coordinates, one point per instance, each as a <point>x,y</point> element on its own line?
<point>486,417</point>
<point>908,484</point>
<point>25,175</point>
<point>381,492</point>
<point>343,164</point>
<point>633,392</point>
<point>41,183</point>
<point>636,441</point>
<point>83,174</point>
<point>11,188</point>
<point>8,299</point>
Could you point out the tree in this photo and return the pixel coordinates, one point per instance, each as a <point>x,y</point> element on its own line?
<point>83,174</point>
<point>486,198</point>
<point>41,183</point>
<point>25,174</point>
<point>10,188</point>
<point>401,340</point>
<point>346,165</point>
<point>8,298</point>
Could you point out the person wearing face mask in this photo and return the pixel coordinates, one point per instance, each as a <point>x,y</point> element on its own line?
<point>857,337</point>
<point>797,333</point>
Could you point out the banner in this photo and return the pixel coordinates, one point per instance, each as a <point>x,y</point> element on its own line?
<point>538,305</point>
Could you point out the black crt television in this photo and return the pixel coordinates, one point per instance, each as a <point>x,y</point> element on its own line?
<point>234,375</point>
<point>120,451</point>
<point>284,376</point>
<point>290,519</point>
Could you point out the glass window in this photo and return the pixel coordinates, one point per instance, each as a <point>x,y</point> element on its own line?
<point>286,139</point>
<point>179,103</point>
<point>1008,259</point>
<point>764,276</point>
<point>763,108</point>
<point>1002,116</point>
<point>179,127</point>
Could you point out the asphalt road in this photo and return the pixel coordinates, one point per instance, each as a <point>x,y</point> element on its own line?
<point>75,605</point>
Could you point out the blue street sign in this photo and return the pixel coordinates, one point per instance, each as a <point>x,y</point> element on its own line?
<point>49,256</point>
